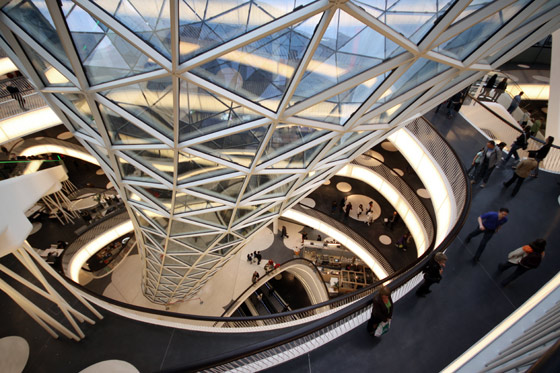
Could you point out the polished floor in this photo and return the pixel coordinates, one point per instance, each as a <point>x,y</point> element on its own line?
<point>426,335</point>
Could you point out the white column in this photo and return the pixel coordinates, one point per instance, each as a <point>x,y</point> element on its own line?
<point>553,115</point>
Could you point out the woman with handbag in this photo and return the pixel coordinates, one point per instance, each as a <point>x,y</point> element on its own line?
<point>381,313</point>
<point>523,259</point>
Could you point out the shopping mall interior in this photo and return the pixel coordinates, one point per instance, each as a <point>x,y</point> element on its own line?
<point>232,186</point>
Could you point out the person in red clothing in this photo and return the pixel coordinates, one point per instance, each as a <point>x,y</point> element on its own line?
<point>523,259</point>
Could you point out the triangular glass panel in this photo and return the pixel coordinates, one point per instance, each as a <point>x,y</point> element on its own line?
<point>123,131</point>
<point>181,271</point>
<point>134,196</point>
<point>239,148</point>
<point>224,189</point>
<point>421,71</point>
<point>412,18</point>
<point>347,48</point>
<point>202,113</point>
<point>200,242</point>
<point>150,101</point>
<point>186,259</point>
<point>462,45</point>
<point>208,265</point>
<point>34,18</point>
<point>180,227</point>
<point>472,8</point>
<point>144,224</point>
<point>177,248</point>
<point>261,71</point>
<point>185,202</point>
<point>104,54</point>
<point>278,192</point>
<point>390,114</point>
<point>160,196</point>
<point>347,139</point>
<point>287,137</point>
<point>159,220</point>
<point>49,75</point>
<point>339,108</point>
<point>204,24</point>
<point>197,275</point>
<point>171,260</point>
<point>192,168</point>
<point>258,183</point>
<point>78,104</point>
<point>215,218</point>
<point>156,240</point>
<point>229,239</point>
<point>247,231</point>
<point>131,172</point>
<point>299,160</point>
<point>158,160</point>
<point>147,19</point>
<point>243,212</point>
<point>223,250</point>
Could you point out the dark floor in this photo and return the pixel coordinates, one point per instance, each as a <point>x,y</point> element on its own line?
<point>426,334</point>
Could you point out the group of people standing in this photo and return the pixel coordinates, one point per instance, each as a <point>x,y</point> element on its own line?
<point>254,257</point>
<point>490,158</point>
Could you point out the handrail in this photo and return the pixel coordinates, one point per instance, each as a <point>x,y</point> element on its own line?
<point>348,297</point>
<point>271,274</point>
<point>550,359</point>
<point>325,322</point>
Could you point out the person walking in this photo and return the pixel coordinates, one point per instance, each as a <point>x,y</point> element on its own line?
<point>432,273</point>
<point>471,172</point>
<point>515,102</point>
<point>342,206</point>
<point>520,142</point>
<point>250,258</point>
<point>500,88</point>
<point>382,310</point>
<point>491,154</point>
<point>255,277</point>
<point>347,210</point>
<point>16,95</point>
<point>284,232</point>
<point>259,258</point>
<point>488,224</point>
<point>454,103</point>
<point>393,220</point>
<point>370,207</point>
<point>522,171</point>
<point>488,86</point>
<point>360,211</point>
<point>523,259</point>
<point>402,243</point>
<point>541,154</point>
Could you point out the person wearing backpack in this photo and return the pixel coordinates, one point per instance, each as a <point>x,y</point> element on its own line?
<point>523,259</point>
<point>520,142</point>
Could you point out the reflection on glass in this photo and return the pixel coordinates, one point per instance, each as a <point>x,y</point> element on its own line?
<point>122,131</point>
<point>131,172</point>
<point>157,160</point>
<point>104,54</point>
<point>34,18</point>
<point>147,19</point>
<point>223,189</point>
<point>261,71</point>
<point>191,168</point>
<point>150,101</point>
<point>339,108</point>
<point>347,48</point>
<point>462,45</point>
<point>238,147</point>
<point>202,112</point>
<point>204,24</point>
<point>421,71</point>
<point>287,137</point>
<point>185,202</point>
<point>48,74</point>
<point>391,113</point>
<point>78,104</point>
<point>258,183</point>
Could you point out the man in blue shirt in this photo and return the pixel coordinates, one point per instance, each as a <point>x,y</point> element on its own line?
<point>488,224</point>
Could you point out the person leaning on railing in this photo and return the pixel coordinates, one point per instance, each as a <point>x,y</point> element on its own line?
<point>541,154</point>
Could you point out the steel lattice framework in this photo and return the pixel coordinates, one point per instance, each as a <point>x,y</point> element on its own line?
<point>212,117</point>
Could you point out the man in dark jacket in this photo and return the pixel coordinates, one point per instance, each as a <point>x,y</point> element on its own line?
<point>500,88</point>
<point>382,310</point>
<point>432,273</point>
<point>541,154</point>
<point>520,143</point>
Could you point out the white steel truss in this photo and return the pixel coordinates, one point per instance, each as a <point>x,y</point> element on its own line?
<point>213,117</point>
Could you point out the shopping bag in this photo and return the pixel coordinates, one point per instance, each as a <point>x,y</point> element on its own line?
<point>382,328</point>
